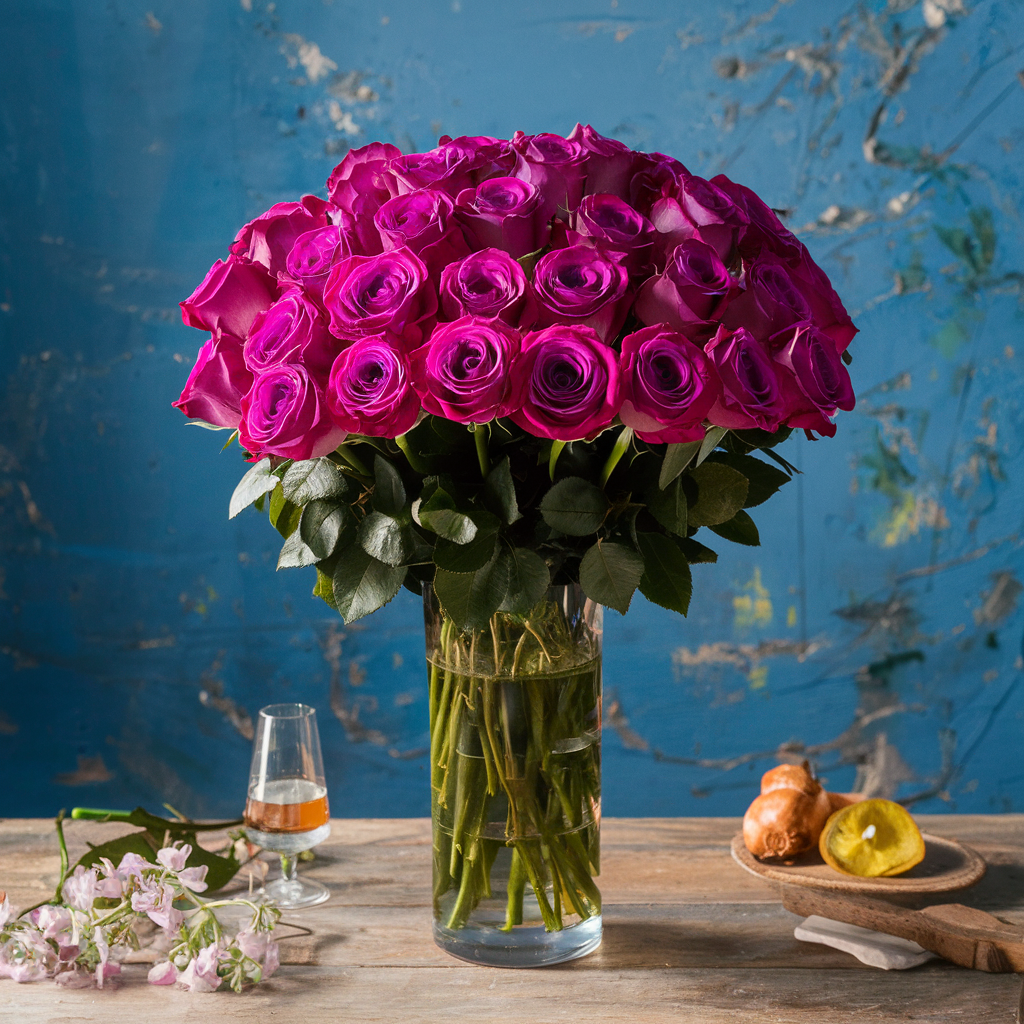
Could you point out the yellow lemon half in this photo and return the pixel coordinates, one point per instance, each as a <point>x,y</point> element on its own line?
<point>873,838</point>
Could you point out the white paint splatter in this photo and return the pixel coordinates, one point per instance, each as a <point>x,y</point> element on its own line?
<point>315,63</point>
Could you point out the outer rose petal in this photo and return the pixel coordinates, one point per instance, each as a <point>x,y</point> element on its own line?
<point>214,389</point>
<point>229,298</point>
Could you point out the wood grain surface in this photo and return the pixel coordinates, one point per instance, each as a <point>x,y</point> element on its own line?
<point>689,937</point>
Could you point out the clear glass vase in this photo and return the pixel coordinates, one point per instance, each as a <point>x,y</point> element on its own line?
<point>515,773</point>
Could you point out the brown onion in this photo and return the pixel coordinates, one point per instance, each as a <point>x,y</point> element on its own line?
<point>787,818</point>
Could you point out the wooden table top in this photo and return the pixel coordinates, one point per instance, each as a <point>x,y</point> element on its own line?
<point>688,936</point>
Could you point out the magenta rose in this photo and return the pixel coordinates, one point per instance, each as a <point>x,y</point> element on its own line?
<point>668,386</point>
<point>312,256</point>
<point>771,299</point>
<point>370,390</point>
<point>454,165</point>
<point>610,163</point>
<point>269,238</point>
<point>565,383</point>
<point>814,378</point>
<point>488,284</point>
<point>363,182</point>
<point>605,221</point>
<point>765,230</point>
<point>291,331</point>
<point>699,209</point>
<point>422,222</point>
<point>463,372</point>
<point>285,413</point>
<point>214,389</point>
<point>654,176</point>
<point>582,285</point>
<point>690,294</point>
<point>752,395</point>
<point>392,292</point>
<point>504,213</point>
<point>556,166</point>
<point>827,309</point>
<point>229,298</point>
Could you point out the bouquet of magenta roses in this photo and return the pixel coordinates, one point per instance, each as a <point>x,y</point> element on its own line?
<point>517,377</point>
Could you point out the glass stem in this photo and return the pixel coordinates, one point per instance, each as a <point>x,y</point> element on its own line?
<point>289,868</point>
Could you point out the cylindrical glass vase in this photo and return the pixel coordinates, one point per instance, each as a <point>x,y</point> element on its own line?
<point>515,773</point>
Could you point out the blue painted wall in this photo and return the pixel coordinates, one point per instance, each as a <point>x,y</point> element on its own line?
<point>880,625</point>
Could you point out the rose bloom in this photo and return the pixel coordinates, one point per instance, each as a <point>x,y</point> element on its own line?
<point>269,238</point>
<point>229,298</point>
<point>654,176</point>
<point>565,383</point>
<point>610,163</point>
<point>668,386</point>
<point>765,230</point>
<point>814,379</point>
<point>752,395</point>
<point>702,209</point>
<point>463,372</point>
<point>771,299</point>
<point>285,413</point>
<point>311,257</point>
<point>504,213</point>
<point>291,331</point>
<point>423,223</point>
<point>605,221</point>
<point>363,181</point>
<point>582,285</point>
<point>456,164</point>
<point>214,389</point>
<point>690,294</point>
<point>556,166</point>
<point>370,390</point>
<point>490,284</point>
<point>367,295</point>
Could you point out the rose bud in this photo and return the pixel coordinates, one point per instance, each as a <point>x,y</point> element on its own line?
<point>370,390</point>
<point>565,383</point>
<point>770,301</point>
<point>230,296</point>
<point>488,284</point>
<point>362,182</point>
<point>699,208</point>
<point>367,295</point>
<point>654,176</point>
<point>582,285</point>
<point>765,230</point>
<point>285,413</point>
<point>556,166</point>
<point>463,371</point>
<point>668,386</point>
<point>423,223</point>
<point>610,163</point>
<point>814,379</point>
<point>311,258</point>
<point>605,221</point>
<point>752,395</point>
<point>504,213</point>
<point>291,331</point>
<point>214,389</point>
<point>690,294</point>
<point>269,238</point>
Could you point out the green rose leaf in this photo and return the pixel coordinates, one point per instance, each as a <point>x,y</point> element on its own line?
<point>362,583</point>
<point>764,480</point>
<point>283,514</point>
<point>500,493</point>
<point>472,556</point>
<point>740,529</point>
<point>382,537</point>
<point>470,599</point>
<point>322,524</point>
<point>529,579</point>
<point>295,554</point>
<point>696,552</point>
<point>574,506</point>
<point>711,441</point>
<point>721,492</point>
<point>666,579</point>
<point>257,482</point>
<point>324,588</point>
<point>440,515</point>
<point>668,506</point>
<point>388,490</point>
<point>610,573</point>
<point>314,478</point>
<point>677,458</point>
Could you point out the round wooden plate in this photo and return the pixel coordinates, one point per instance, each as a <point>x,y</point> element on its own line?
<point>947,865</point>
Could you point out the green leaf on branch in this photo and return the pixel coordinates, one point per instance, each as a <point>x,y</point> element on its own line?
<point>740,530</point>
<point>666,580</point>
<point>610,573</point>
<point>668,506</point>
<point>743,441</point>
<point>257,482</point>
<point>470,599</point>
<point>324,588</point>
<point>314,478</point>
<point>721,492</point>
<point>574,506</point>
<point>284,516</point>
<point>295,554</point>
<point>764,480</point>
<point>711,441</point>
<point>362,583</point>
<point>677,458</point>
<point>529,579</point>
<point>696,552</point>
<point>439,514</point>
<point>322,524</point>
<point>382,537</point>
<point>388,489</point>
<point>500,493</point>
<point>476,554</point>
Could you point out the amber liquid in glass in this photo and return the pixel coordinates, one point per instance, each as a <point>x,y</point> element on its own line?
<point>287,806</point>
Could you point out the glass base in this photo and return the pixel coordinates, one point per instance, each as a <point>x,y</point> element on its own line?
<point>289,894</point>
<point>521,947</point>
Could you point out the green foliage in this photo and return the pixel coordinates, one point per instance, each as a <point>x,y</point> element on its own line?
<point>666,578</point>
<point>322,524</point>
<point>314,478</point>
<point>610,573</point>
<point>740,530</point>
<point>721,493</point>
<point>574,506</point>
<point>257,482</point>
<point>362,583</point>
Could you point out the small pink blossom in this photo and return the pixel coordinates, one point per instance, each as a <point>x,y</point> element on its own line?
<point>194,878</point>
<point>51,921</point>
<point>174,857</point>
<point>80,889</point>
<point>163,974</point>
<point>272,960</point>
<point>156,900</point>
<point>201,973</point>
<point>132,866</point>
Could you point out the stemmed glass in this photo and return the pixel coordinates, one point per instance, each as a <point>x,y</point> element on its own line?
<point>286,810</point>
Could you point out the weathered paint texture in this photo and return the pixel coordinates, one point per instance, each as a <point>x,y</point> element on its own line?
<point>877,632</point>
